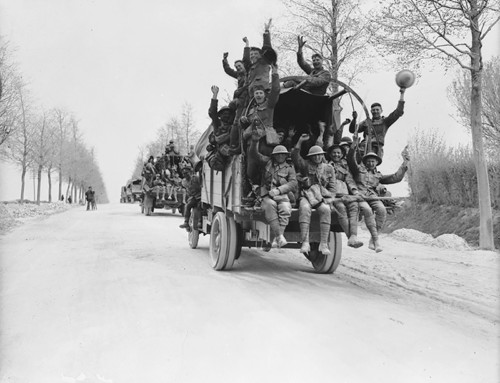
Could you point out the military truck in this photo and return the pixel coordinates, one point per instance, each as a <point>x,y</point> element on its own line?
<point>231,225</point>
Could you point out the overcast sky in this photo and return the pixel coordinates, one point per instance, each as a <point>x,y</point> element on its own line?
<point>124,67</point>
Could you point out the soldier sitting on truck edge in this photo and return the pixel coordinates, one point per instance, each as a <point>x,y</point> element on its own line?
<point>317,180</point>
<point>159,187</point>
<point>367,179</point>
<point>347,211</point>
<point>222,121</point>
<point>260,118</point>
<point>318,78</point>
<point>375,135</point>
<point>278,181</point>
<point>191,182</point>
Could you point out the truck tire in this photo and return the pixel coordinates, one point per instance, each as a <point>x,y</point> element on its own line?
<point>234,242</point>
<point>194,233</point>
<point>327,264</point>
<point>219,241</point>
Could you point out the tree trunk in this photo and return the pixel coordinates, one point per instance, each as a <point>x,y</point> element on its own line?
<point>23,175</point>
<point>39,185</point>
<point>60,183</point>
<point>67,189</point>
<point>49,179</point>
<point>483,185</point>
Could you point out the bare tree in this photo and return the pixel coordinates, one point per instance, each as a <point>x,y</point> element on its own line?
<point>452,31</point>
<point>62,118</point>
<point>43,146</point>
<point>459,94</point>
<point>10,108</point>
<point>336,29</point>
<point>20,148</point>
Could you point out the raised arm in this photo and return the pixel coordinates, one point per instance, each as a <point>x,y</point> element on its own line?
<point>298,161</point>
<point>274,94</point>
<point>300,56</point>
<point>398,112</point>
<point>212,111</point>
<point>267,35</point>
<point>230,71</point>
<point>399,175</point>
<point>246,53</point>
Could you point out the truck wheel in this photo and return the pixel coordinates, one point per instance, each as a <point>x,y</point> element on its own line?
<point>219,241</point>
<point>327,264</point>
<point>234,250</point>
<point>194,233</point>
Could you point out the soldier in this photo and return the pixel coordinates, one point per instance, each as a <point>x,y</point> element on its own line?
<point>318,77</point>
<point>260,63</point>
<point>191,183</point>
<point>219,139</point>
<point>260,119</point>
<point>89,197</point>
<point>159,187</point>
<point>347,211</point>
<point>318,184</point>
<point>367,179</point>
<point>278,180</point>
<point>240,96</point>
<point>375,135</point>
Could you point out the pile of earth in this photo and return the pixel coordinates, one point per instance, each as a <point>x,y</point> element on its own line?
<point>439,225</point>
<point>13,214</point>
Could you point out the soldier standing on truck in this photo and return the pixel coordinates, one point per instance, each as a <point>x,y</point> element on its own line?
<point>260,63</point>
<point>318,78</point>
<point>318,190</point>
<point>260,118</point>
<point>278,180</point>
<point>192,184</point>
<point>240,96</point>
<point>375,135</point>
<point>222,121</point>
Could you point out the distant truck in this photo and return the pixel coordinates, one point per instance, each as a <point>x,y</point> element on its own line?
<point>134,190</point>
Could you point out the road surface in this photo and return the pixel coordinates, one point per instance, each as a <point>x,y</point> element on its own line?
<point>114,296</point>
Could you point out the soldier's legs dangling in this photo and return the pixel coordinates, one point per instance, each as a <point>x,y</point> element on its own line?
<point>352,213</point>
<point>284,213</point>
<point>325,220</point>
<point>340,210</point>
<point>366,210</point>
<point>270,208</point>
<point>304,223</point>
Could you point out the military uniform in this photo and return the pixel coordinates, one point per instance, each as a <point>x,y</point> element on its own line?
<point>277,209</point>
<point>321,174</point>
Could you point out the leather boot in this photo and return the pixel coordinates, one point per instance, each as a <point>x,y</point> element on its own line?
<point>324,233</point>
<point>275,232</point>
<point>304,236</point>
<point>353,242</point>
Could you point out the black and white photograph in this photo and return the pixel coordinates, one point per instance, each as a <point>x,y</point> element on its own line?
<point>280,191</point>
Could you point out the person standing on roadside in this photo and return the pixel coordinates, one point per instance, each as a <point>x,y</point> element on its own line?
<point>89,197</point>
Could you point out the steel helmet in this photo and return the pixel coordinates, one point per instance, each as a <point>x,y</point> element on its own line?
<point>315,150</point>
<point>279,149</point>
<point>372,155</point>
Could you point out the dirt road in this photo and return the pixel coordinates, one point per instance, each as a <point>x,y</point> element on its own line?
<point>113,296</point>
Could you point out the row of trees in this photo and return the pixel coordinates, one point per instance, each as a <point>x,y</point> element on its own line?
<point>407,33</point>
<point>43,141</point>
<point>180,128</point>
